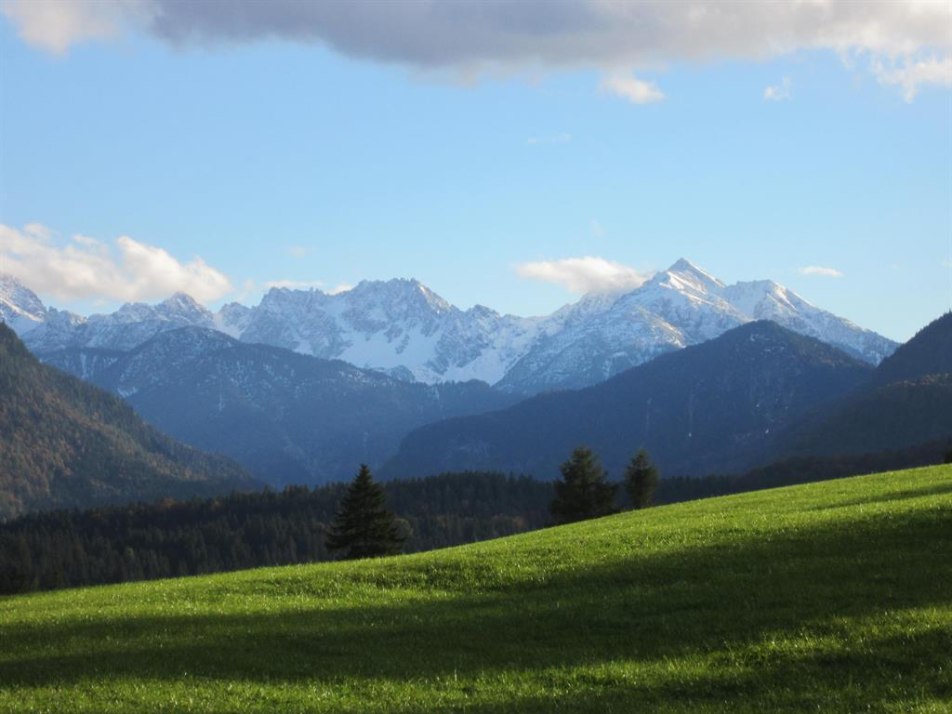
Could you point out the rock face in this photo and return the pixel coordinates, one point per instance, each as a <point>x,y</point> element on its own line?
<point>403,329</point>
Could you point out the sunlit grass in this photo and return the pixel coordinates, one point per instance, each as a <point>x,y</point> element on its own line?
<point>827,597</point>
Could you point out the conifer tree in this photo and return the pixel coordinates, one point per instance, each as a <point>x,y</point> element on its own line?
<point>641,480</point>
<point>363,527</point>
<point>583,491</point>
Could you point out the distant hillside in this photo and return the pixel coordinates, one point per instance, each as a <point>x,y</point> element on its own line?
<point>907,401</point>
<point>287,417</point>
<point>68,444</point>
<point>703,409</point>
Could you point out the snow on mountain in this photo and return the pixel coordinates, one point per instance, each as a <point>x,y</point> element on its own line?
<point>129,326</point>
<point>681,306</point>
<point>402,328</point>
<point>397,324</point>
<point>20,308</point>
<point>766,300</point>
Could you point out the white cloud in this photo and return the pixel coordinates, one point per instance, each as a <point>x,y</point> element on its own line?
<point>636,91</point>
<point>84,267</point>
<point>910,75</point>
<point>584,275</point>
<point>778,92</point>
<point>820,271</point>
<point>472,38</point>
<point>55,25</point>
<point>561,138</point>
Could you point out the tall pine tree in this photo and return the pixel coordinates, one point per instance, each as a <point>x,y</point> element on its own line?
<point>641,480</point>
<point>363,527</point>
<point>583,492</point>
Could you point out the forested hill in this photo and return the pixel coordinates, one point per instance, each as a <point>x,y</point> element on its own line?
<point>907,401</point>
<point>64,443</point>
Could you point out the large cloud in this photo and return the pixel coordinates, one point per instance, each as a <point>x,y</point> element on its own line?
<point>87,268</point>
<point>913,38</point>
<point>584,275</point>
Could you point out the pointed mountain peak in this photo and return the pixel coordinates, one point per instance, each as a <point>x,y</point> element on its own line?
<point>181,299</point>
<point>184,306</point>
<point>685,274</point>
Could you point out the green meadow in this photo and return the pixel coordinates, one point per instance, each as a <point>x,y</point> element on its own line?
<point>828,597</point>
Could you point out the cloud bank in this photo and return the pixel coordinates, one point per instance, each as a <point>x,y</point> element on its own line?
<point>84,267</point>
<point>908,44</point>
<point>584,275</point>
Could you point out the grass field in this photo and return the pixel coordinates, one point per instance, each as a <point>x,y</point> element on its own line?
<point>829,597</point>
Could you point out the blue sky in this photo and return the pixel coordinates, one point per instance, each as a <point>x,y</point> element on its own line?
<point>237,161</point>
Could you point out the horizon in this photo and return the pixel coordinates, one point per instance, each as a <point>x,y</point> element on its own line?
<point>513,157</point>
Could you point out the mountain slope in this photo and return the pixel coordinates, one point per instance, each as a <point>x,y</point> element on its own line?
<point>287,417</point>
<point>20,308</point>
<point>66,443</point>
<point>708,408</point>
<point>831,597</point>
<point>928,352</point>
<point>907,401</point>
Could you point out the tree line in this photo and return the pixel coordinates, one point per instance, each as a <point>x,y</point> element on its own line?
<point>69,548</point>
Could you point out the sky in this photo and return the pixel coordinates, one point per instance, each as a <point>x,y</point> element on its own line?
<point>506,153</point>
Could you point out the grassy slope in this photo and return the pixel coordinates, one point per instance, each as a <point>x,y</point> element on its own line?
<point>833,596</point>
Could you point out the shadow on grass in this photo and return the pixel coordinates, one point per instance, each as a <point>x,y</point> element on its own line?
<point>705,601</point>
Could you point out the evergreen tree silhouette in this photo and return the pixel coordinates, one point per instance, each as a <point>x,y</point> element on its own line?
<point>363,527</point>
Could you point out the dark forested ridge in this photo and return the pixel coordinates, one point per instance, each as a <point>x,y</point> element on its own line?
<point>65,443</point>
<point>709,408</point>
<point>928,352</point>
<point>906,401</point>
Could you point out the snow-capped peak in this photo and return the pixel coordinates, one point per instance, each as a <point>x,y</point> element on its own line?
<point>401,325</point>
<point>183,306</point>
<point>20,307</point>
<point>686,275</point>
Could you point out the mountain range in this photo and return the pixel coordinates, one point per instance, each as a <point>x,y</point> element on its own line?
<point>756,394</point>
<point>287,417</point>
<point>402,328</point>
<point>705,409</point>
